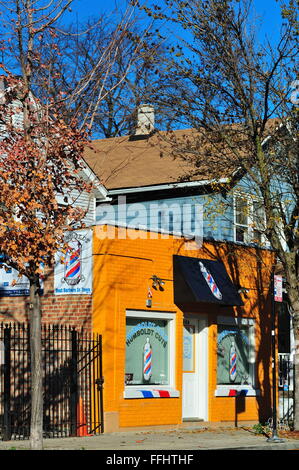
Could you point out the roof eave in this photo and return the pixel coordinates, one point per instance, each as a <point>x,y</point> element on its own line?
<point>165,186</point>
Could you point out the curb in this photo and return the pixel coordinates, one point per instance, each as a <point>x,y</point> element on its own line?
<point>265,447</point>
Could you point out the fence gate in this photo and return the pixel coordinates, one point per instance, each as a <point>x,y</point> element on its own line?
<point>72,382</point>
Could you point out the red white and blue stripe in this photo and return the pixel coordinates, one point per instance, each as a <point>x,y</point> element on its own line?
<point>73,264</point>
<point>210,281</point>
<point>234,392</point>
<point>146,393</point>
<point>147,360</point>
<point>233,366</point>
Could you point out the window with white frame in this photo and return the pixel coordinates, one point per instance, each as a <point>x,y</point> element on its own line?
<point>235,352</point>
<point>149,349</point>
<point>249,219</point>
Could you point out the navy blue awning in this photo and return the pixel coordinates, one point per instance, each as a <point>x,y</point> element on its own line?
<point>202,280</point>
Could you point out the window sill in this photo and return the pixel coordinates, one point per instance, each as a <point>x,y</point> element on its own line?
<point>237,390</point>
<point>150,392</point>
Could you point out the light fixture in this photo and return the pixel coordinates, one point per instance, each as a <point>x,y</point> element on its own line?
<point>157,282</point>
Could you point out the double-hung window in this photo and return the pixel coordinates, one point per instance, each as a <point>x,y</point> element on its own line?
<point>249,221</point>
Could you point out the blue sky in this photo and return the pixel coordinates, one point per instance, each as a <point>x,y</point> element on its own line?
<point>268,9</point>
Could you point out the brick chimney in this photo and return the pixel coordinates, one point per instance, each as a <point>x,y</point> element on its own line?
<point>145,120</point>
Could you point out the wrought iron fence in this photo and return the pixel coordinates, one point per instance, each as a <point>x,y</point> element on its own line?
<point>72,382</point>
<point>286,374</point>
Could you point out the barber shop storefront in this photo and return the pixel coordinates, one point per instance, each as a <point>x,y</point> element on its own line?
<point>185,331</point>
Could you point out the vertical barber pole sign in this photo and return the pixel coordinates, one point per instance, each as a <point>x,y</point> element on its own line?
<point>278,289</point>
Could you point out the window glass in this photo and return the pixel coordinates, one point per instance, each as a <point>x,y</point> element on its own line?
<point>234,361</point>
<point>147,351</point>
<point>188,348</point>
<point>258,214</point>
<point>241,211</point>
<point>258,219</point>
<point>249,220</point>
<point>241,234</point>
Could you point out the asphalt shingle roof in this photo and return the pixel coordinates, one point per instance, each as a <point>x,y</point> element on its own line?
<point>124,162</point>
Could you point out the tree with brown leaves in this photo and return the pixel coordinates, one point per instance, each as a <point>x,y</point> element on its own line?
<point>40,156</point>
<point>240,93</point>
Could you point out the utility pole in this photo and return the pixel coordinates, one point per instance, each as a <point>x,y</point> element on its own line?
<point>274,438</point>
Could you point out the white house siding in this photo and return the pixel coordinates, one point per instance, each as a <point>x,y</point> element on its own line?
<point>87,201</point>
<point>84,200</point>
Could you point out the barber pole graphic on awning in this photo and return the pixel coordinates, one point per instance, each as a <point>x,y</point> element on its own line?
<point>210,281</point>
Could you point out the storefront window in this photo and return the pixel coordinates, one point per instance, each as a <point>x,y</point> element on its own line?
<point>235,353</point>
<point>147,351</point>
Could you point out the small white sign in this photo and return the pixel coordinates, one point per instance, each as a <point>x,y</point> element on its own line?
<point>278,289</point>
<point>11,284</point>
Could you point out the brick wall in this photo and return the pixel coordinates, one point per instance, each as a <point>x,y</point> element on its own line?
<point>73,310</point>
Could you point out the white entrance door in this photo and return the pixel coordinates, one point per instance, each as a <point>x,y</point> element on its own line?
<point>195,377</point>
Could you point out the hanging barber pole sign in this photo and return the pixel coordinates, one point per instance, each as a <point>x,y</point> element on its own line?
<point>73,268</point>
<point>278,289</point>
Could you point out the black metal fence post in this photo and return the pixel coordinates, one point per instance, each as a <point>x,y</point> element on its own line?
<point>7,392</point>
<point>74,382</point>
<point>100,381</point>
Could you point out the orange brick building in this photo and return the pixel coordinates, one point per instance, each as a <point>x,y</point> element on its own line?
<point>186,330</point>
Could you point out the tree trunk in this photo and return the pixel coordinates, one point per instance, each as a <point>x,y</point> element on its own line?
<point>36,425</point>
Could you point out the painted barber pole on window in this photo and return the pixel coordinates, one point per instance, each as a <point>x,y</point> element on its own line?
<point>210,281</point>
<point>232,362</point>
<point>147,360</point>
<point>73,268</point>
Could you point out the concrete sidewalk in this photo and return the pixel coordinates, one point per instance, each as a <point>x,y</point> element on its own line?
<point>192,438</point>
